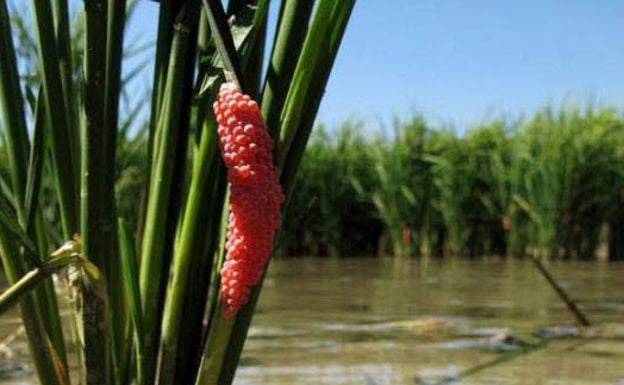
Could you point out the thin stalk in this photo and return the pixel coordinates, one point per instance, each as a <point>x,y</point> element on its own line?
<point>166,17</point>
<point>167,13</point>
<point>339,19</point>
<point>255,62</point>
<point>570,304</point>
<point>190,347</point>
<point>161,62</point>
<point>215,350</point>
<point>153,271</point>
<point>64,48</point>
<point>64,156</point>
<point>215,279</point>
<point>115,34</point>
<point>35,230</point>
<point>25,176</point>
<point>97,203</point>
<point>35,166</point>
<point>131,279</point>
<point>180,197</point>
<point>205,51</point>
<point>289,37</point>
<point>313,50</point>
<point>13,113</point>
<point>186,256</point>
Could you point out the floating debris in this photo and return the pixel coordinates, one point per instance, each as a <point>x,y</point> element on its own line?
<point>559,331</point>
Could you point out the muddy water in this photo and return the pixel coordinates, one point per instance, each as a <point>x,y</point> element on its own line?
<point>15,367</point>
<point>395,321</point>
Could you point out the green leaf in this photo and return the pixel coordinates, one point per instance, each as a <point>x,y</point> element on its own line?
<point>131,279</point>
<point>35,164</point>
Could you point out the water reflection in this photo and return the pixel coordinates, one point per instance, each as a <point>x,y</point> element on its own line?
<point>371,321</point>
<point>404,321</point>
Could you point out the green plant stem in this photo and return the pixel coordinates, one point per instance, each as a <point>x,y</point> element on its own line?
<point>214,353</point>
<point>314,47</point>
<point>66,66</point>
<point>120,317</point>
<point>166,16</point>
<point>300,132</point>
<point>153,271</point>
<point>35,168</point>
<point>64,155</point>
<point>99,240</point>
<point>185,256</point>
<point>200,286</point>
<point>131,278</point>
<point>13,114</point>
<point>24,175</point>
<point>289,37</point>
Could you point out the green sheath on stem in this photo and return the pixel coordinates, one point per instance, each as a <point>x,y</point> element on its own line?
<point>152,253</point>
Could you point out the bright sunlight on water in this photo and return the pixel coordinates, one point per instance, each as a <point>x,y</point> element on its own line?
<point>371,321</point>
<point>405,321</point>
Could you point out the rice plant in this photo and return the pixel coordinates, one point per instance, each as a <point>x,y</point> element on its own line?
<point>65,145</point>
<point>549,185</point>
<point>327,215</point>
<point>400,191</point>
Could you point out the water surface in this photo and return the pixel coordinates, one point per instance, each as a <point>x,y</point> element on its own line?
<point>370,321</point>
<point>405,321</point>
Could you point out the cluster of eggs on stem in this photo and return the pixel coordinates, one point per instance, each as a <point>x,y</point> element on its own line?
<point>255,194</point>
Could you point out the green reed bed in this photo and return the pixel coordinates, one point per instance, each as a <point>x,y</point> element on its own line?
<point>549,184</point>
<point>70,172</point>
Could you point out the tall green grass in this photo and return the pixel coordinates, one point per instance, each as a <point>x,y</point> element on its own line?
<point>548,185</point>
<point>70,170</point>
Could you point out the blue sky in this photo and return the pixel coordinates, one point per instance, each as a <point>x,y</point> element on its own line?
<point>462,61</point>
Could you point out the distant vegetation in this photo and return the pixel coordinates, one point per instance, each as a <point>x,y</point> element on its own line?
<point>551,184</point>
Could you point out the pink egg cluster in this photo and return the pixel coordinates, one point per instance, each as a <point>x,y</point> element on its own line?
<point>255,194</point>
